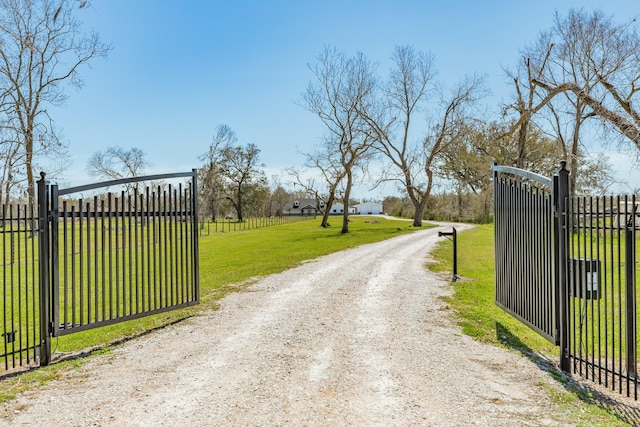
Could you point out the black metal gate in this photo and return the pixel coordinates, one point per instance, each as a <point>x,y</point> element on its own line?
<point>567,267</point>
<point>524,241</point>
<point>19,308</point>
<point>86,262</point>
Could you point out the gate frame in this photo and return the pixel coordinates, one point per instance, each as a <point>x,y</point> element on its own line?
<point>48,215</point>
<point>559,186</point>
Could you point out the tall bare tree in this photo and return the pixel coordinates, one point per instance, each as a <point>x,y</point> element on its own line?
<point>342,87</point>
<point>42,48</point>
<point>411,88</point>
<point>118,163</point>
<point>607,56</point>
<point>234,173</point>
<point>212,186</point>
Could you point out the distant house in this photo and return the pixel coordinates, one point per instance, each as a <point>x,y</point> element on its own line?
<point>369,208</point>
<point>338,209</point>
<point>303,207</point>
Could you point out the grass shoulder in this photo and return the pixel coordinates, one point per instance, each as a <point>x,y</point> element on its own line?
<point>473,304</point>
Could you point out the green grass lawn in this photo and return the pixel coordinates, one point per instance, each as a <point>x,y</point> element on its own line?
<point>474,305</point>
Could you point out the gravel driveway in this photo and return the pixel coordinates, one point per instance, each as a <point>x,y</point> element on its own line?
<point>360,337</point>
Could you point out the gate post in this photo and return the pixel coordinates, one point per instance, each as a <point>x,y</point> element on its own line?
<point>561,200</point>
<point>43,267</point>
<point>630,285</point>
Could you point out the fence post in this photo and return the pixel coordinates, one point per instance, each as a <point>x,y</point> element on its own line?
<point>43,270</point>
<point>196,244</point>
<point>561,200</point>
<point>630,284</point>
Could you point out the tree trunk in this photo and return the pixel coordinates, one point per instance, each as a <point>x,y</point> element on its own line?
<point>522,144</point>
<point>327,209</point>
<point>345,214</point>
<point>419,212</point>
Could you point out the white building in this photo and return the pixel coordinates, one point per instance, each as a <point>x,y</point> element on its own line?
<point>369,208</point>
<point>338,209</point>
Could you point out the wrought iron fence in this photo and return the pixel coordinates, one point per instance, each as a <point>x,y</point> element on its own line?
<point>78,263</point>
<point>19,309</point>
<point>602,236</point>
<point>577,288</point>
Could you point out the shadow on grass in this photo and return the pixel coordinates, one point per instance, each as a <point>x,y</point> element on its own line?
<point>627,413</point>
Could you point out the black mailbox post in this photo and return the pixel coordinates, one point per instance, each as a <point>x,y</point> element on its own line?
<point>454,235</point>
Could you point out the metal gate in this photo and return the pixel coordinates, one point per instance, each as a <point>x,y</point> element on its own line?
<point>525,235</point>
<point>567,267</point>
<point>91,261</point>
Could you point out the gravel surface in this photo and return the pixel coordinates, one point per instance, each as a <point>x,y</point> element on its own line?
<point>360,337</point>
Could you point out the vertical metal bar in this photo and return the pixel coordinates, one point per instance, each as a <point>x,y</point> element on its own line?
<point>619,282</point>
<point>195,261</point>
<point>88,252</point>
<point>172,242</point>
<point>562,191</point>
<point>110,235</point>
<point>116,283</point>
<point>141,244</point>
<point>103,258</point>
<point>65,266</point>
<point>181,243</point>
<point>74,319</point>
<point>598,287</point>
<point>165,238</point>
<point>54,263</point>
<point>130,259</point>
<point>607,225</point>
<point>148,219</point>
<point>43,207</point>
<point>16,302</point>
<point>455,255</point>
<point>154,229</point>
<point>630,294</point>
<point>136,258</point>
<point>5,298</point>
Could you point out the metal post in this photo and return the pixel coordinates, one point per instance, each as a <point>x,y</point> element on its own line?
<point>43,242</point>
<point>561,191</point>
<point>455,255</point>
<point>454,235</point>
<point>630,282</point>
<point>196,244</point>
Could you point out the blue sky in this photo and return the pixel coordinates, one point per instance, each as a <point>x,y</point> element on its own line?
<point>178,69</point>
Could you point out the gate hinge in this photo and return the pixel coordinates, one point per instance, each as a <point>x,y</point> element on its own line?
<point>50,328</point>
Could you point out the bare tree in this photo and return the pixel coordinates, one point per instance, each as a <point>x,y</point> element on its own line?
<point>391,121</point>
<point>118,163</point>
<point>343,85</point>
<point>527,101</point>
<point>212,185</point>
<point>558,56</point>
<point>42,48</point>
<point>233,173</point>
<point>608,58</point>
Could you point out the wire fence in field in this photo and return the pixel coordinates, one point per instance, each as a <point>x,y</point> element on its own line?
<point>229,225</point>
